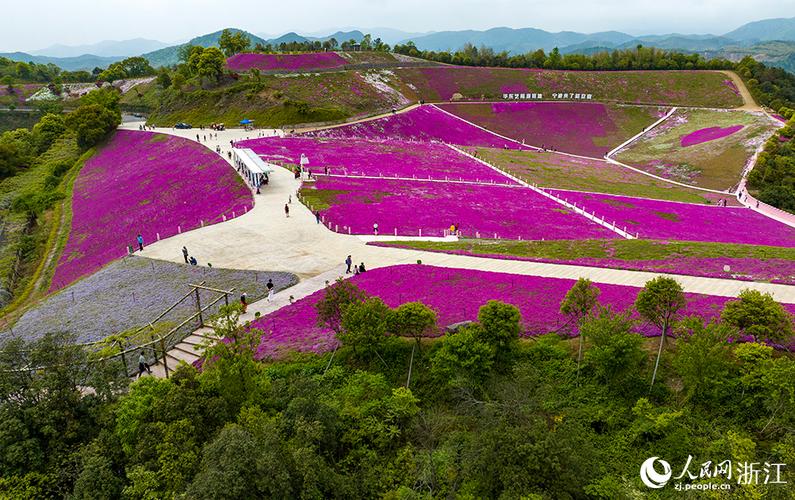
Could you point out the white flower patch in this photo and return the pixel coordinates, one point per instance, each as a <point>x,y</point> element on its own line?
<point>43,94</point>
<point>380,81</point>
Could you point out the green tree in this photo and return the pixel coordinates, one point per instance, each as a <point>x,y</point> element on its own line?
<point>164,78</point>
<point>233,43</point>
<point>500,327</point>
<point>463,359</point>
<point>231,365</point>
<point>659,303</point>
<point>210,65</point>
<point>92,123</point>
<point>337,297</point>
<point>364,326</point>
<point>578,304</point>
<point>758,315</point>
<point>47,130</point>
<point>703,358</point>
<point>615,354</point>
<point>412,319</point>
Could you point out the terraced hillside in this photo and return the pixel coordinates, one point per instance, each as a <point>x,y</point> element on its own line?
<point>587,128</point>
<point>276,100</point>
<point>704,148</point>
<point>679,88</point>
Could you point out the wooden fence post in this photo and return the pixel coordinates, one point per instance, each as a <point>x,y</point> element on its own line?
<point>165,357</point>
<point>199,307</point>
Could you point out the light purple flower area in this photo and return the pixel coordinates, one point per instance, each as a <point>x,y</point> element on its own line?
<point>666,220</point>
<point>144,183</point>
<point>583,128</point>
<point>266,62</point>
<point>456,295</point>
<point>376,158</point>
<point>708,134</point>
<point>732,86</point>
<point>779,118</point>
<point>514,88</point>
<point>425,123</point>
<point>408,207</point>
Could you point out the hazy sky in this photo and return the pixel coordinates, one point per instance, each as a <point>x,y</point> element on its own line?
<point>38,24</point>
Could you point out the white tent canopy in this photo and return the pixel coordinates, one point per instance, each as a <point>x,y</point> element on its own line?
<point>251,166</point>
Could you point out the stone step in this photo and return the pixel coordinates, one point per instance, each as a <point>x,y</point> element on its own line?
<point>177,355</point>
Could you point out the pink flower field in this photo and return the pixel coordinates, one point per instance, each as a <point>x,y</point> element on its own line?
<point>661,220</point>
<point>146,183</point>
<point>587,129</point>
<point>291,62</point>
<point>455,295</point>
<point>708,134</point>
<point>425,123</point>
<point>376,158</point>
<point>510,212</point>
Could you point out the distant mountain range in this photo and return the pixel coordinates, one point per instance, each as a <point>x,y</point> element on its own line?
<point>85,62</point>
<point>105,48</point>
<point>771,41</point>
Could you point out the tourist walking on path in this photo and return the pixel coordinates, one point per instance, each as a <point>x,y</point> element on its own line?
<point>185,254</point>
<point>143,366</point>
<point>140,240</point>
<point>270,289</point>
<point>286,210</point>
<point>317,216</point>
<point>348,263</point>
<point>244,301</point>
<point>375,229</point>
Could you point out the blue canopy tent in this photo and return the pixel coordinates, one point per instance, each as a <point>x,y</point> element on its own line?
<point>246,121</point>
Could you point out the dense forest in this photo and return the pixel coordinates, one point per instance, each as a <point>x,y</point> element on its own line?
<point>478,413</point>
<point>36,168</point>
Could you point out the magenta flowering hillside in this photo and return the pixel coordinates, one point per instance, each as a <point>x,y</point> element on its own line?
<point>456,295</point>
<point>708,134</point>
<point>677,88</point>
<point>588,128</point>
<point>424,123</point>
<point>146,183</point>
<point>660,220</point>
<point>291,62</point>
<point>510,212</point>
<point>388,158</point>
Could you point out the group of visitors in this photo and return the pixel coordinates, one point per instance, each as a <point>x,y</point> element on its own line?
<point>216,126</point>
<point>146,127</point>
<point>270,286</point>
<point>455,230</point>
<point>203,138</point>
<point>356,269</point>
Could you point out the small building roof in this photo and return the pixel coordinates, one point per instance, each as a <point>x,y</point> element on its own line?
<point>253,162</point>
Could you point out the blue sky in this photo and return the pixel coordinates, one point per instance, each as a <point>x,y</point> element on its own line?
<point>75,22</point>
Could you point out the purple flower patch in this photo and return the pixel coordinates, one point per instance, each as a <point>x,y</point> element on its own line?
<point>664,220</point>
<point>426,123</point>
<point>455,295</point>
<point>431,207</point>
<point>146,183</point>
<point>708,134</point>
<point>388,158</point>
